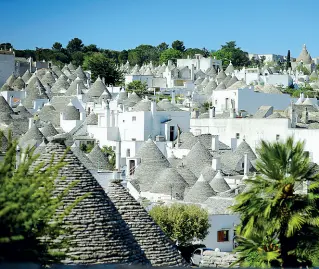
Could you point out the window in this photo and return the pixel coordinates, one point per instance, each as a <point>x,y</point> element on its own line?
<point>237,135</point>
<point>133,139</point>
<point>277,137</point>
<point>223,236</point>
<point>134,118</point>
<point>242,165</point>
<point>216,102</point>
<point>128,153</point>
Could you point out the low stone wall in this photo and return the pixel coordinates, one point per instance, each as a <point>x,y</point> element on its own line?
<point>218,259</point>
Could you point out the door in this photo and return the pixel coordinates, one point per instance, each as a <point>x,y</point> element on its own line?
<point>132,167</point>
<point>171,133</point>
<point>197,256</point>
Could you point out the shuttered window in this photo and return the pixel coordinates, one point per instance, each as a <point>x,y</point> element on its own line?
<point>223,236</point>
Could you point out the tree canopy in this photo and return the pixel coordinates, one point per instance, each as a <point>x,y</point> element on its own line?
<point>178,45</point>
<point>279,209</point>
<point>182,223</point>
<point>57,46</point>
<point>230,52</point>
<point>138,87</point>
<point>170,54</point>
<point>100,65</point>
<point>29,222</point>
<point>74,45</point>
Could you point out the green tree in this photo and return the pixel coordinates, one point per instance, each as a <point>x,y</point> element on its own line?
<point>74,45</point>
<point>163,46</point>
<point>110,153</point>
<point>100,65</point>
<point>78,58</point>
<point>230,52</point>
<point>178,45</point>
<point>138,87</point>
<point>29,222</point>
<point>90,48</point>
<point>170,54</point>
<point>57,46</point>
<point>182,223</point>
<point>123,56</point>
<point>6,46</point>
<point>288,63</point>
<point>143,54</point>
<point>279,222</point>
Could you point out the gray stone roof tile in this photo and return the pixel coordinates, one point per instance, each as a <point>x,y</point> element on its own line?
<point>158,248</point>
<point>200,192</point>
<point>71,112</point>
<point>98,233</point>
<point>218,183</point>
<point>97,88</point>
<point>48,130</point>
<point>99,159</point>
<point>170,182</point>
<point>26,76</point>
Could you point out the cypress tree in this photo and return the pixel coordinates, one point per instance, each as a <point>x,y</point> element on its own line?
<point>288,63</point>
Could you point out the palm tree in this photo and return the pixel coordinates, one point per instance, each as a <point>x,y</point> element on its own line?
<point>279,208</point>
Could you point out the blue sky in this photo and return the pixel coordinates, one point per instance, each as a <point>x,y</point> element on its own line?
<point>271,26</point>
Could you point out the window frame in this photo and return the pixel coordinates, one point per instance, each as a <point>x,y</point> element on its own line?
<point>223,233</point>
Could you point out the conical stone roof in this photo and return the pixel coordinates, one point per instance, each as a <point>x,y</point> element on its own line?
<point>26,76</point>
<point>66,71</point>
<point>230,69</point>
<point>133,98</point>
<point>97,88</point>
<point>33,133</point>
<point>82,157</point>
<point>92,119</point>
<point>79,73</point>
<point>71,112</point>
<point>232,81</point>
<point>167,105</point>
<point>187,174</point>
<point>4,106</point>
<point>304,56</point>
<point>243,148</point>
<point>158,249</point>
<point>57,70</point>
<point>60,84</point>
<point>71,67</point>
<point>98,234</point>
<point>205,82</point>
<point>221,86</point>
<point>48,79</point>
<point>34,91</point>
<point>145,105</point>
<point>218,183</point>
<point>72,90</point>
<point>48,130</point>
<point>200,192</point>
<point>153,162</point>
<point>99,159</point>
<point>21,110</point>
<point>198,158</point>
<point>227,79</point>
<point>18,84</point>
<point>170,182</point>
<point>11,79</point>
<point>221,75</point>
<point>6,88</point>
<point>208,173</point>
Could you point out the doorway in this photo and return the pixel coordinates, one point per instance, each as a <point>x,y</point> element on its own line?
<point>132,167</point>
<point>171,133</point>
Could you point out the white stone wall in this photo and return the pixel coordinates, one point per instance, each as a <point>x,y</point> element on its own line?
<point>7,67</point>
<point>253,130</point>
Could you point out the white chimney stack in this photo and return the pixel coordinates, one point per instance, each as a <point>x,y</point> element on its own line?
<point>215,143</point>
<point>246,168</point>
<point>216,163</point>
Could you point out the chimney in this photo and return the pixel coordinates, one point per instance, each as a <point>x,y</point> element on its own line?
<point>103,79</point>
<point>216,163</point>
<point>214,111</point>
<point>233,143</point>
<point>31,122</point>
<point>118,156</point>
<point>173,98</point>
<point>215,143</point>
<point>78,92</point>
<point>192,72</point>
<point>232,113</point>
<point>246,168</point>
<point>128,94</point>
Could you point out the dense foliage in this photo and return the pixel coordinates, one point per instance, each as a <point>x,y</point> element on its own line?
<point>182,223</point>
<point>110,153</point>
<point>279,218</point>
<point>102,66</point>
<point>29,223</point>
<point>138,87</point>
<point>230,52</point>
